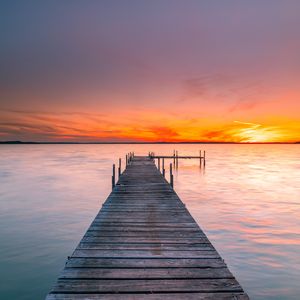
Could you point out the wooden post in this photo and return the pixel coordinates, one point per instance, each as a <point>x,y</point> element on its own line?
<point>158,164</point>
<point>113,179</point>
<point>119,169</point>
<point>204,158</point>
<point>163,167</point>
<point>171,176</point>
<point>126,160</point>
<point>200,157</point>
<point>176,159</point>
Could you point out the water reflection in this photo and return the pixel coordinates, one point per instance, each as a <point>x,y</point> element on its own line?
<point>246,199</point>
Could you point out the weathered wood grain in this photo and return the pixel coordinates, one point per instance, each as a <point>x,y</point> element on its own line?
<point>153,262</point>
<point>145,253</point>
<point>156,296</point>
<point>171,273</point>
<point>146,285</point>
<point>134,239</point>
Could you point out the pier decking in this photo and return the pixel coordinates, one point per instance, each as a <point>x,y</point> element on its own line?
<point>144,244</point>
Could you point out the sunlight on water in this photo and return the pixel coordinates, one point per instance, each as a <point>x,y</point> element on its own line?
<point>247,200</point>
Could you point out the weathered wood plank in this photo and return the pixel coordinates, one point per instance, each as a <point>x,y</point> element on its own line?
<point>143,225</point>
<point>145,253</point>
<point>144,263</point>
<point>145,229</point>
<point>145,234</point>
<point>164,273</point>
<point>148,246</point>
<point>156,296</point>
<point>144,285</point>
<point>142,239</point>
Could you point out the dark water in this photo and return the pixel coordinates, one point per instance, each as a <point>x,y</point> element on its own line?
<point>247,200</point>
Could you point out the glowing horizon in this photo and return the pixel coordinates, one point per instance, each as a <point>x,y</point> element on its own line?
<point>142,127</point>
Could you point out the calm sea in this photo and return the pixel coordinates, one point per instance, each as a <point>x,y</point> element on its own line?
<point>247,200</point>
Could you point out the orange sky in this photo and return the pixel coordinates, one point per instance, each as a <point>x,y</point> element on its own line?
<point>149,125</point>
<point>150,71</point>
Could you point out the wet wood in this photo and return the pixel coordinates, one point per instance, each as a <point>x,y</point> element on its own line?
<point>144,244</point>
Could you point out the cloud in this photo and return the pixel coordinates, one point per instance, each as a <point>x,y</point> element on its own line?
<point>217,136</point>
<point>235,92</point>
<point>164,132</point>
<point>204,87</point>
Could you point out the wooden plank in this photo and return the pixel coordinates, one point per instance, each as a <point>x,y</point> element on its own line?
<point>153,219</point>
<point>143,225</point>
<point>156,296</point>
<point>164,273</point>
<point>147,246</point>
<point>123,213</point>
<point>146,253</point>
<point>142,239</point>
<point>144,285</point>
<point>144,263</point>
<point>144,229</point>
<point>145,234</point>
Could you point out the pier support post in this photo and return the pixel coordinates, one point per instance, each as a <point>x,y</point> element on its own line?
<point>119,169</point>
<point>163,167</point>
<point>204,158</point>
<point>171,176</point>
<point>200,157</point>
<point>113,178</point>
<point>158,164</point>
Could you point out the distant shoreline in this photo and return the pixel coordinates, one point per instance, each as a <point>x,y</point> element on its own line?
<point>137,143</point>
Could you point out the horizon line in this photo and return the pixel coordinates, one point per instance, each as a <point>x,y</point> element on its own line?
<point>133,142</point>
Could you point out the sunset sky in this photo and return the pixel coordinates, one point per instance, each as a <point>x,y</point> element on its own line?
<point>158,70</point>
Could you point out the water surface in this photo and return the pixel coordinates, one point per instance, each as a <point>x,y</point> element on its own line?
<point>247,200</point>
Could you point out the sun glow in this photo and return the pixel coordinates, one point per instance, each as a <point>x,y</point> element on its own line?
<point>256,133</point>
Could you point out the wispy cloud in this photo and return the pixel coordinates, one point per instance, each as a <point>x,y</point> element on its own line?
<point>141,126</point>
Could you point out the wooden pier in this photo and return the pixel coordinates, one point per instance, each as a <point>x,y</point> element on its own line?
<point>144,244</point>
